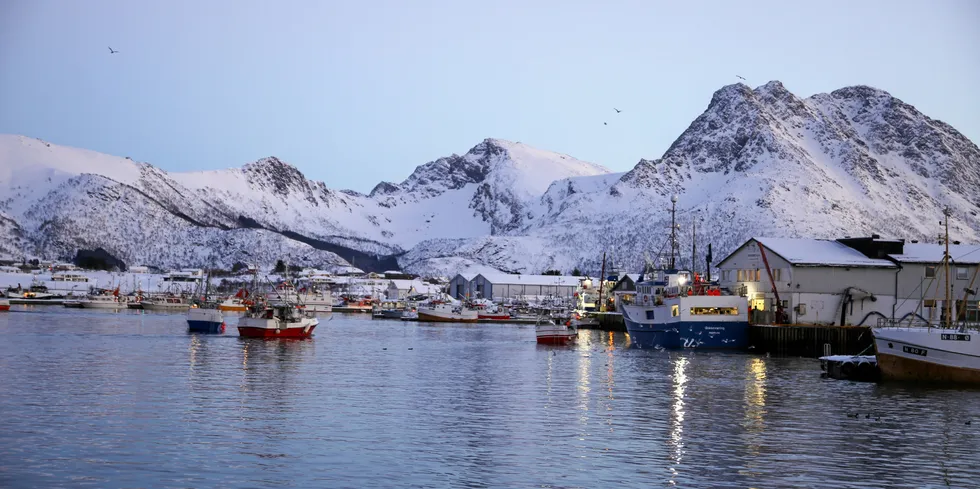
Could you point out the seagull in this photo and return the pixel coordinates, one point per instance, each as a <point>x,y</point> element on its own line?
<point>617,110</point>
<point>605,124</point>
<point>111,51</point>
<point>740,78</point>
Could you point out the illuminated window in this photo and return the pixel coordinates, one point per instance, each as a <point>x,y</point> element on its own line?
<point>714,311</point>
<point>776,272</point>
<point>930,272</point>
<point>739,275</point>
<point>758,275</point>
<point>675,311</point>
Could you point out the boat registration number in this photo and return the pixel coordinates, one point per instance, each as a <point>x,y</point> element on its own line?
<point>915,351</point>
<point>955,337</point>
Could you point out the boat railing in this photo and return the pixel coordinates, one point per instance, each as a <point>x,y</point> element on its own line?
<point>916,322</point>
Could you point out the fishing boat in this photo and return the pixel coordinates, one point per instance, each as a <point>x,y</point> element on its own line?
<point>37,293</point>
<point>946,352</point>
<point>204,315</point>
<point>166,303</point>
<point>102,301</point>
<point>488,311</point>
<point>554,331</point>
<point>233,304</point>
<point>438,311</point>
<point>673,311</point>
<point>276,320</point>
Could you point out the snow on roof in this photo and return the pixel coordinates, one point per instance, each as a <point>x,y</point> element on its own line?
<point>933,253</point>
<point>506,278</point>
<point>826,252</point>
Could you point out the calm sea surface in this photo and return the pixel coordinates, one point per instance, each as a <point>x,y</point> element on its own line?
<point>99,399</point>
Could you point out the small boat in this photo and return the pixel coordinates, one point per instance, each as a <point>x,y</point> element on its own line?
<point>488,311</point>
<point>204,315</point>
<point>278,320</point>
<point>104,300</point>
<point>4,305</point>
<point>168,303</point>
<point>554,331</point>
<point>205,318</point>
<point>233,304</point>
<point>447,313</point>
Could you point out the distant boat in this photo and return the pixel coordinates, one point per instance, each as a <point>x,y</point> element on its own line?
<point>4,305</point>
<point>447,313</point>
<point>233,304</point>
<point>102,301</point>
<point>168,303</point>
<point>204,316</point>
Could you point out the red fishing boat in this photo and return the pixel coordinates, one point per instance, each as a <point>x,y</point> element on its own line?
<point>279,320</point>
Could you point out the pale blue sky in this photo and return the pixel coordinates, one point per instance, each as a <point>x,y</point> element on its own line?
<point>356,92</point>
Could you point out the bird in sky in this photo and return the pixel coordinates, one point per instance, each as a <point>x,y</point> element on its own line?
<point>617,110</point>
<point>604,124</point>
<point>111,50</point>
<point>739,77</point>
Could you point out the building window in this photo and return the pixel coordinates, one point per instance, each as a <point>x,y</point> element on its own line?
<point>675,310</point>
<point>930,272</point>
<point>776,273</point>
<point>739,275</point>
<point>960,273</point>
<point>714,311</point>
<point>758,275</point>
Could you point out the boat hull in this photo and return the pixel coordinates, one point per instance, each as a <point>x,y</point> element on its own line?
<point>4,306</point>
<point>165,307</point>
<point>103,305</point>
<point>555,334</point>
<point>445,318</point>
<point>924,355</point>
<point>271,328</point>
<point>134,305</point>
<point>715,335</point>
<point>205,321</point>
<point>494,317</point>
<point>197,326</point>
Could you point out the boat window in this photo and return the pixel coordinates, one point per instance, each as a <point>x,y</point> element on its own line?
<point>649,313</point>
<point>675,311</point>
<point>715,311</point>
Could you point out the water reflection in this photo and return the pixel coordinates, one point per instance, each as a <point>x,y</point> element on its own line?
<point>675,444</point>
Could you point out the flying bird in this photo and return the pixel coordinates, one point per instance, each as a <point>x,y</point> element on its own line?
<point>740,78</point>
<point>604,124</point>
<point>617,110</point>
<point>111,50</point>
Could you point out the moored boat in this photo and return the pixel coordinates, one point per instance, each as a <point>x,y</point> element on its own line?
<point>924,354</point>
<point>104,300</point>
<point>445,312</point>
<point>4,305</point>
<point>233,304</point>
<point>673,312</point>
<point>167,303</point>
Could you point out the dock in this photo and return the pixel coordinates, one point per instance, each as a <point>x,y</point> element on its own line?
<point>810,341</point>
<point>608,321</point>
<point>859,368</point>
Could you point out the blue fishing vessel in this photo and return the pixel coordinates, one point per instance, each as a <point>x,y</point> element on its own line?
<point>204,315</point>
<point>674,309</point>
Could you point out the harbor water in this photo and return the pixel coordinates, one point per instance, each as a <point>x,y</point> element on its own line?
<point>130,399</point>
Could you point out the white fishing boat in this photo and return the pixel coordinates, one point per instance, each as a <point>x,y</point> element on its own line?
<point>554,331</point>
<point>167,303</point>
<point>102,301</point>
<point>447,312</point>
<point>946,352</point>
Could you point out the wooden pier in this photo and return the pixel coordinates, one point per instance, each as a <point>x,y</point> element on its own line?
<point>810,340</point>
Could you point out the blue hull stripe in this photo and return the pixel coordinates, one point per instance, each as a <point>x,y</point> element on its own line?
<point>690,334</point>
<point>204,326</point>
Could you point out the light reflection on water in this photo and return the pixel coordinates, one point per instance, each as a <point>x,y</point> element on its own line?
<point>103,399</point>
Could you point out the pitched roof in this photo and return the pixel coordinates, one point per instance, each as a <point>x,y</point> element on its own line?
<point>504,278</point>
<point>816,252</point>
<point>967,254</point>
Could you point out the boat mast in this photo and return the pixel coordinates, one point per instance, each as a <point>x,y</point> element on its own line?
<point>949,285</point>
<point>694,245</point>
<point>673,230</point>
<point>602,278</point>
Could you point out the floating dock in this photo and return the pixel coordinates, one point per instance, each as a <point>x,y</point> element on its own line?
<point>860,368</point>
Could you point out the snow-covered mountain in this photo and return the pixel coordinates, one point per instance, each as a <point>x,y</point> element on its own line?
<point>55,200</point>
<point>853,162</point>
